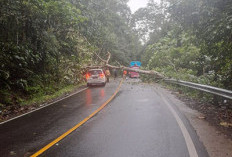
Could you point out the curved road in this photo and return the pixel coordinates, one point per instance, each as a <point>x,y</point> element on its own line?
<point>140,121</point>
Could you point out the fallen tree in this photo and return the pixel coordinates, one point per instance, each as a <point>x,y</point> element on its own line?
<point>107,65</point>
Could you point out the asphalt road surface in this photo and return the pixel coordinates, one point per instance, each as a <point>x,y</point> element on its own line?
<point>141,121</point>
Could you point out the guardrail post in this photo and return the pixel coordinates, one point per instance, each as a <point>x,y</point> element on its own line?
<point>215,100</point>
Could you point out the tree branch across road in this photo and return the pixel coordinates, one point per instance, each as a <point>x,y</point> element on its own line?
<point>106,64</point>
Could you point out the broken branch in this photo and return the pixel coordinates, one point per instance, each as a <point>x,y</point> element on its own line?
<point>157,74</point>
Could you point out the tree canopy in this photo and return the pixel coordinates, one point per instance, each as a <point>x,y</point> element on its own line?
<point>188,39</point>
<point>46,43</point>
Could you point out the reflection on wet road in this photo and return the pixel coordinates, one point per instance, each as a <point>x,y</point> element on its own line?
<point>88,97</point>
<point>31,132</point>
<point>136,123</point>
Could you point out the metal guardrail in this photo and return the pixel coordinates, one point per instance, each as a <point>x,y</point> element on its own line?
<point>209,89</point>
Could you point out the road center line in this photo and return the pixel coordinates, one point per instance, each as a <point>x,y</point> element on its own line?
<point>76,126</point>
<point>188,140</point>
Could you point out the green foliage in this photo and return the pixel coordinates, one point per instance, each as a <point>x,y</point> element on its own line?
<point>173,55</point>
<point>39,98</point>
<point>46,43</point>
<point>149,20</point>
<point>210,21</point>
<point>188,39</point>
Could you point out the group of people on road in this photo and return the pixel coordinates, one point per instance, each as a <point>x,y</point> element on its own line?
<point>107,73</point>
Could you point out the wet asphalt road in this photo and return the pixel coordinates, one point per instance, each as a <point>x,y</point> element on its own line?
<point>136,123</point>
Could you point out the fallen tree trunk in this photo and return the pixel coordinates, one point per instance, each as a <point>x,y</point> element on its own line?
<point>150,72</point>
<point>107,65</point>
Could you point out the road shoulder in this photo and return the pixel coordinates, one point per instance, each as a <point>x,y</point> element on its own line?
<point>216,143</point>
<point>20,111</point>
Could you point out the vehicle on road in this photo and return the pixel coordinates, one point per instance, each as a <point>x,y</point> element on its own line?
<point>133,74</point>
<point>134,65</point>
<point>95,77</point>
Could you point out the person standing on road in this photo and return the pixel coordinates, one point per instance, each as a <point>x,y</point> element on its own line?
<point>124,74</point>
<point>115,73</point>
<point>107,72</point>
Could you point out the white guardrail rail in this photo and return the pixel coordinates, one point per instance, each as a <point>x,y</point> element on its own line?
<point>209,89</point>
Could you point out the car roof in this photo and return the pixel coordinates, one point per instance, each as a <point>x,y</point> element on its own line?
<point>94,69</point>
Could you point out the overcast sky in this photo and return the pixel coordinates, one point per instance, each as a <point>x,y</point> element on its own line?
<point>136,4</point>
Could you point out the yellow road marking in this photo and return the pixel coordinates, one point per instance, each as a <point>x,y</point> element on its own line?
<point>76,126</point>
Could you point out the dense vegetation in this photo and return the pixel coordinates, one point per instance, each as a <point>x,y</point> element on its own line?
<point>188,39</point>
<point>46,43</point>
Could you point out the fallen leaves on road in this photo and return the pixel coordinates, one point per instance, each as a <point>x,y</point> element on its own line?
<point>12,153</point>
<point>225,124</point>
<point>219,115</point>
<point>201,117</point>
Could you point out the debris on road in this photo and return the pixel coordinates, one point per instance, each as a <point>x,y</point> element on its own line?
<point>218,116</point>
<point>225,124</point>
<point>202,117</point>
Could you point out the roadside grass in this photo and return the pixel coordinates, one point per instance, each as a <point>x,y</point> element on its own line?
<point>40,99</point>
<point>191,93</point>
<point>199,96</point>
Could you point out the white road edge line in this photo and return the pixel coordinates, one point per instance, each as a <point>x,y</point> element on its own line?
<point>42,107</point>
<point>188,140</point>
